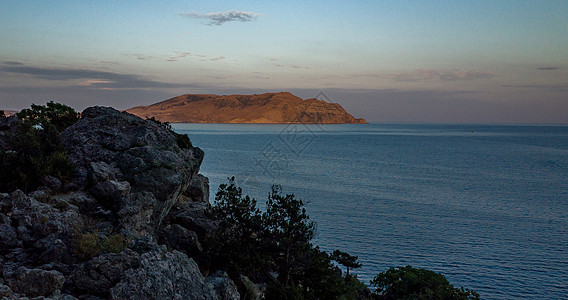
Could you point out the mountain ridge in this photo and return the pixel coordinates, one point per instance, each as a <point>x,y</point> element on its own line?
<point>283,107</point>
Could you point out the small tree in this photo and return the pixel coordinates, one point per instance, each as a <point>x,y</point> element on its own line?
<point>417,283</point>
<point>34,149</point>
<point>237,242</point>
<point>346,260</point>
<point>290,231</point>
<point>60,115</point>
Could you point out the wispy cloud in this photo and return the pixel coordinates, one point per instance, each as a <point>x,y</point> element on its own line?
<point>89,78</point>
<point>549,87</point>
<point>139,56</point>
<point>443,75</point>
<point>219,18</point>
<point>182,54</point>
<point>548,68</point>
<point>12,63</point>
<point>421,75</point>
<point>217,58</point>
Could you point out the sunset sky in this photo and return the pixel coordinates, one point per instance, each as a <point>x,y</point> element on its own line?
<point>386,61</point>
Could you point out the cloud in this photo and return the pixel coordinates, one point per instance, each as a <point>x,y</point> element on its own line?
<point>179,54</point>
<point>12,63</point>
<point>139,56</point>
<point>443,75</point>
<point>90,78</point>
<point>219,18</point>
<point>421,75</point>
<point>549,87</point>
<point>548,68</point>
<point>182,54</point>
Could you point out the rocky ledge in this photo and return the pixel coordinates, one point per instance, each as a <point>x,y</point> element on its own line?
<point>130,224</point>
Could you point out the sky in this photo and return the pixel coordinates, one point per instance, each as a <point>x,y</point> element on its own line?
<point>387,61</point>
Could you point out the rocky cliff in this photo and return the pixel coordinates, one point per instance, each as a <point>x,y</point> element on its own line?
<point>265,108</point>
<point>128,225</point>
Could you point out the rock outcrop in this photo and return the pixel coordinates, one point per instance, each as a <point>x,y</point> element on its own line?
<point>265,108</point>
<point>128,225</point>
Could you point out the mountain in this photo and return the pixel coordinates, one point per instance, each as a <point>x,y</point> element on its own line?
<point>8,112</point>
<point>280,107</point>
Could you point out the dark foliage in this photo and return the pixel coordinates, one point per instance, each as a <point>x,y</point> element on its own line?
<point>346,260</point>
<point>183,141</point>
<point>59,115</point>
<point>34,148</point>
<point>417,283</point>
<point>237,242</point>
<point>275,247</point>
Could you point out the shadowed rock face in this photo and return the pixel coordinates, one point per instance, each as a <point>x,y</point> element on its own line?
<point>137,196</point>
<point>265,108</point>
<point>118,154</point>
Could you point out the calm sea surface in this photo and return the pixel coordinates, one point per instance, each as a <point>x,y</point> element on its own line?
<point>485,205</point>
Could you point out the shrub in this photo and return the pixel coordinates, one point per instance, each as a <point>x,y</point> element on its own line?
<point>90,244</point>
<point>34,148</point>
<point>417,283</point>
<point>57,114</point>
<point>275,247</point>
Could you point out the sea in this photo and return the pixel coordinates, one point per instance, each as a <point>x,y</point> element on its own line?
<point>485,205</point>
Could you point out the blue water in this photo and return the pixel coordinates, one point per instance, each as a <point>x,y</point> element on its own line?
<point>487,206</point>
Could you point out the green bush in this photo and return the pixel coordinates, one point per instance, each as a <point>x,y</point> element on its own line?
<point>274,247</point>
<point>90,244</point>
<point>57,114</point>
<point>35,148</point>
<point>417,283</point>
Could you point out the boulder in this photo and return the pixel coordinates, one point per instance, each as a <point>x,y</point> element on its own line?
<point>179,238</point>
<point>128,148</point>
<point>163,275</point>
<point>33,282</point>
<point>223,286</point>
<point>135,213</point>
<point>101,273</point>
<point>109,192</point>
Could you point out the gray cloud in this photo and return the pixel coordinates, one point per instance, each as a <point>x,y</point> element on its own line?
<point>91,78</point>
<point>443,75</point>
<point>420,75</point>
<point>217,58</point>
<point>549,87</point>
<point>139,56</point>
<point>219,18</point>
<point>548,68</point>
<point>12,63</point>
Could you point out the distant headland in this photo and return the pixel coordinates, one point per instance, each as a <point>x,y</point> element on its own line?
<point>280,107</point>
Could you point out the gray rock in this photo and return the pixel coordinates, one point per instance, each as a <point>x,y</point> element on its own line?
<point>33,282</point>
<point>109,192</point>
<point>51,182</point>
<point>163,275</point>
<point>198,190</point>
<point>83,201</point>
<point>224,286</point>
<point>9,238</point>
<point>135,213</point>
<point>193,216</point>
<point>52,249</point>
<point>144,153</point>
<point>5,291</point>
<point>101,171</point>
<point>101,273</point>
<point>179,238</point>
